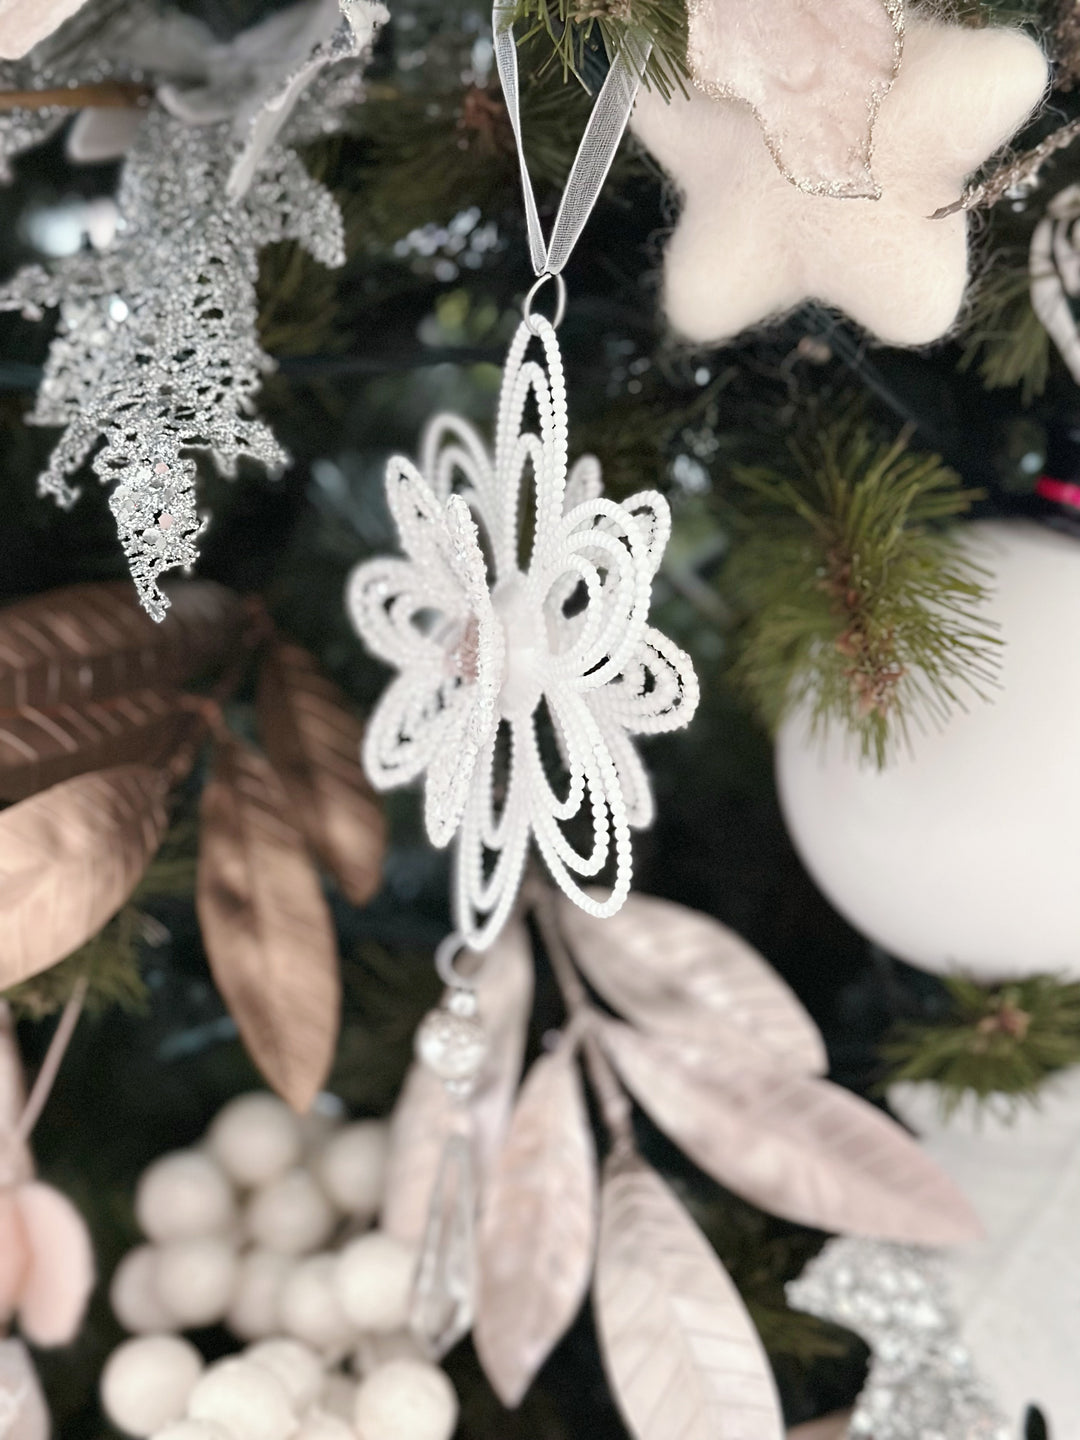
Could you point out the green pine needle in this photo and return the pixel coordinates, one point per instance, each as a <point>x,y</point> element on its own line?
<point>1006,340</point>
<point>1001,1040</point>
<point>855,598</point>
<point>109,963</point>
<point>569,28</point>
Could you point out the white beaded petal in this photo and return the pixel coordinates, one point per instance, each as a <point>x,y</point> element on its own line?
<point>493,658</point>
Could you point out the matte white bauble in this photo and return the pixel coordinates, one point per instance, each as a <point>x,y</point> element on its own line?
<point>352,1168</point>
<point>195,1280</point>
<point>374,1282</point>
<point>255,1138</point>
<point>320,1425</point>
<point>247,1400</point>
<point>406,1399</point>
<point>147,1382</point>
<point>297,1367</point>
<point>260,1279</point>
<point>290,1214</point>
<point>964,852</point>
<point>192,1430</point>
<point>182,1195</point>
<point>134,1296</point>
<point>309,1307</point>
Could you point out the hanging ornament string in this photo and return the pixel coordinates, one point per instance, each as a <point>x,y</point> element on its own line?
<point>609,119</point>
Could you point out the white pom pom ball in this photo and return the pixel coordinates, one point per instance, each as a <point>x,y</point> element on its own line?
<point>183,1195</point>
<point>192,1430</point>
<point>195,1280</point>
<point>374,1282</point>
<point>320,1425</point>
<point>297,1367</point>
<point>352,1168</point>
<point>326,1115</point>
<point>309,1307</point>
<point>290,1214</point>
<point>408,1400</point>
<point>147,1382</point>
<point>254,1308</point>
<point>246,1399</point>
<point>376,1350</point>
<point>338,1396</point>
<point>134,1296</point>
<point>962,853</point>
<point>255,1138</point>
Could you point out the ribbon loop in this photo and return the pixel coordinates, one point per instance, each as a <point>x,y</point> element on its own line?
<point>608,120</point>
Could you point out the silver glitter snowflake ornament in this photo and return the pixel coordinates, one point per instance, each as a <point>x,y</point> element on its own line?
<point>922,1383</point>
<point>156,354</point>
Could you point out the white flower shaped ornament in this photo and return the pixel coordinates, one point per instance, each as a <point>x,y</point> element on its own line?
<point>520,682</point>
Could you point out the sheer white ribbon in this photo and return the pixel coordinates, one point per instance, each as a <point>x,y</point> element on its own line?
<point>608,120</point>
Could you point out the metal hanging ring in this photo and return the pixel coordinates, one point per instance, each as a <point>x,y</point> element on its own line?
<point>560,301</point>
<point>445,955</point>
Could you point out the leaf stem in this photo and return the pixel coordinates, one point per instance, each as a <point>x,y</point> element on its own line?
<point>610,1096</point>
<point>50,1067</point>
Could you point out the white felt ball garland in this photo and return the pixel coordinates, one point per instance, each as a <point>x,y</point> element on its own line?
<point>258,1229</point>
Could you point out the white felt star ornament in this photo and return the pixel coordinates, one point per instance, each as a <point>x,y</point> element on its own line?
<point>749,245</point>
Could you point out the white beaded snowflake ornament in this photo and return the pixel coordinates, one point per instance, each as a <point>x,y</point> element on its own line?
<point>490,647</point>
<point>519,618</point>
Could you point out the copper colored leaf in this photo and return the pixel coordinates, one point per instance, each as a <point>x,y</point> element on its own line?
<point>69,858</point>
<point>796,1146</point>
<point>91,642</point>
<point>681,1354</point>
<point>424,1117</point>
<point>537,1229</point>
<point>313,741</point>
<point>266,925</point>
<point>39,748</point>
<point>678,972</point>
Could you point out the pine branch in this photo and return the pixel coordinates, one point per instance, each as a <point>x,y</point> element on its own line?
<point>1002,1040</point>
<point>855,598</point>
<point>1005,338</point>
<point>571,29</point>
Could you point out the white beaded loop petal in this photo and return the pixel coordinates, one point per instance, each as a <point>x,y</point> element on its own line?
<point>484,646</point>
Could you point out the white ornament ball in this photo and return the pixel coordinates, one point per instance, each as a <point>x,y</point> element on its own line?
<point>134,1295</point>
<point>338,1396</point>
<point>964,852</point>
<point>290,1214</point>
<point>320,1425</point>
<point>196,1279</point>
<point>406,1399</point>
<point>192,1430</point>
<point>260,1278</point>
<point>246,1399</point>
<point>297,1367</point>
<point>255,1138</point>
<point>374,1282</point>
<point>147,1382</point>
<point>309,1307</point>
<point>352,1168</point>
<point>183,1195</point>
